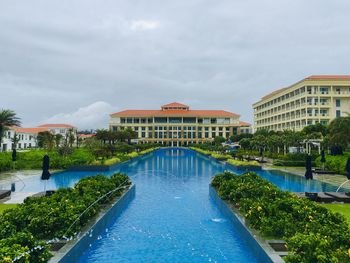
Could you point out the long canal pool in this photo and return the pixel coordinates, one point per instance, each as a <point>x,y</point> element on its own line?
<point>172,217</point>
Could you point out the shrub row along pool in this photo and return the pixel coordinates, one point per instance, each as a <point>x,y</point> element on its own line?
<point>26,227</point>
<point>312,232</point>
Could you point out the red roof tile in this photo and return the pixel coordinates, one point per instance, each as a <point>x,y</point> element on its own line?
<point>175,104</point>
<point>334,77</point>
<point>179,113</point>
<point>30,130</point>
<point>244,124</point>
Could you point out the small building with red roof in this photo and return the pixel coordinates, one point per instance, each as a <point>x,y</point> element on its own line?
<point>26,138</point>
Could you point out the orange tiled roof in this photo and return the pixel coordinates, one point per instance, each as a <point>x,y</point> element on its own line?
<point>187,113</point>
<point>244,124</point>
<point>319,77</point>
<point>175,104</point>
<point>57,126</point>
<point>30,130</point>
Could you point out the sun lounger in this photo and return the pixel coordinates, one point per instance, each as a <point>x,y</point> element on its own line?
<point>4,193</point>
<point>340,197</point>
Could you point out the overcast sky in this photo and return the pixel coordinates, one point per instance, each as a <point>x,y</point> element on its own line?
<point>78,61</point>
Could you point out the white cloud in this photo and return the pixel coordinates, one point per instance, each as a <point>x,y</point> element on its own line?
<point>139,25</point>
<point>93,116</point>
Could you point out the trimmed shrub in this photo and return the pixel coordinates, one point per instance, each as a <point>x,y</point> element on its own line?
<point>312,232</point>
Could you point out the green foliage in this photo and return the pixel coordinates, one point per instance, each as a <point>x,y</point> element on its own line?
<point>8,118</point>
<point>339,130</point>
<point>316,128</point>
<point>218,140</point>
<point>334,163</point>
<point>209,147</point>
<point>293,159</point>
<point>43,218</point>
<point>312,232</point>
<point>238,163</point>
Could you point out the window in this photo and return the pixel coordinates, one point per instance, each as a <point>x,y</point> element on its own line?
<point>189,120</point>
<point>175,119</point>
<point>337,102</point>
<point>129,120</point>
<point>337,113</point>
<point>160,120</point>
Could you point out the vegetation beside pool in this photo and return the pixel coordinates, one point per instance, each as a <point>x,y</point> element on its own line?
<point>3,207</point>
<point>227,157</point>
<point>73,157</point>
<point>343,209</point>
<point>312,232</point>
<point>335,163</point>
<point>38,219</point>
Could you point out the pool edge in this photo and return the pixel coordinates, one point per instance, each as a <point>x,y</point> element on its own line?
<point>259,246</point>
<point>73,250</point>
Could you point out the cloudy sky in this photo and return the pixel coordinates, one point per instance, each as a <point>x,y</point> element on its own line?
<point>76,61</point>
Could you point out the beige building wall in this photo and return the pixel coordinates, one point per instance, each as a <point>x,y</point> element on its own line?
<point>316,99</point>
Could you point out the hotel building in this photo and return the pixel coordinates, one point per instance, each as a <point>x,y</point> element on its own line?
<point>27,137</point>
<point>315,99</point>
<point>176,124</point>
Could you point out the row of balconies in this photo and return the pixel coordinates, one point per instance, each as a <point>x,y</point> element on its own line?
<point>318,115</point>
<point>257,116</point>
<point>304,94</point>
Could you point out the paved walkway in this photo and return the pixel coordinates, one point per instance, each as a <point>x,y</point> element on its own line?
<point>334,179</point>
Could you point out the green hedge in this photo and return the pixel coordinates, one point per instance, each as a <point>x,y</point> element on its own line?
<point>334,163</point>
<point>293,159</point>
<point>33,159</point>
<point>244,163</point>
<point>45,218</point>
<point>313,233</point>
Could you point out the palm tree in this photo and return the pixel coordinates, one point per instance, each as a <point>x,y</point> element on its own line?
<point>7,118</point>
<point>15,140</point>
<point>58,138</point>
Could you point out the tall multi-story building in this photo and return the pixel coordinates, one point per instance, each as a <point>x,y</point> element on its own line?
<point>315,99</point>
<point>175,124</point>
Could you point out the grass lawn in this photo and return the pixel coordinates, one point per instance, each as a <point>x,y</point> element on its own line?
<point>343,209</point>
<point>6,206</point>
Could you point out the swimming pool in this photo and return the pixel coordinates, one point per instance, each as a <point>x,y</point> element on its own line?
<point>172,218</point>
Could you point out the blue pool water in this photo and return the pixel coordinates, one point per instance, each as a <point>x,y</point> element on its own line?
<point>172,218</point>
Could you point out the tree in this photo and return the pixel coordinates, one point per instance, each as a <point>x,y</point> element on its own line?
<point>102,135</point>
<point>46,140</point>
<point>316,128</point>
<point>130,134</point>
<point>339,132</point>
<point>8,118</point>
<point>70,138</point>
<point>245,143</point>
<point>218,140</point>
<point>58,139</point>
<point>15,140</point>
<point>238,137</point>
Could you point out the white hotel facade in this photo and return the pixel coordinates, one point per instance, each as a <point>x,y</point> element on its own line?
<point>315,99</point>
<point>28,136</point>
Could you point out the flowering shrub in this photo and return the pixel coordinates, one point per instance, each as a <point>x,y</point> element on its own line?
<point>45,218</point>
<point>313,233</point>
